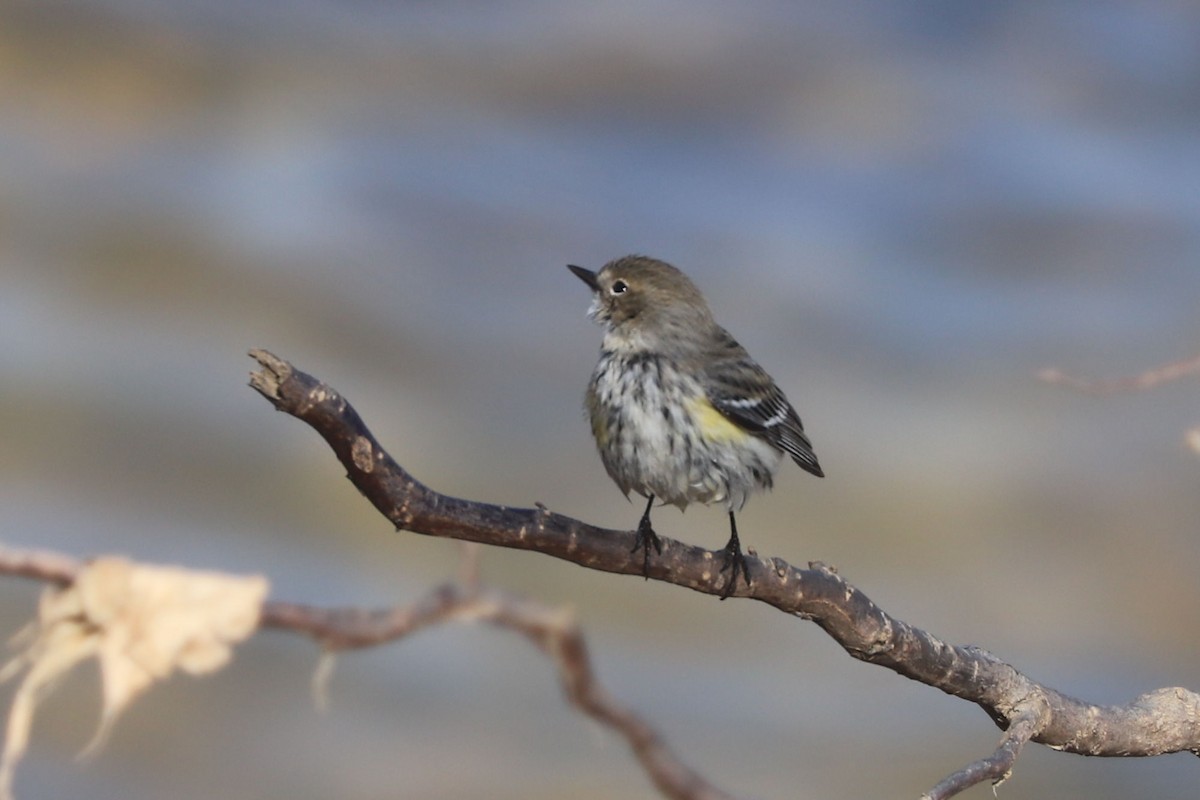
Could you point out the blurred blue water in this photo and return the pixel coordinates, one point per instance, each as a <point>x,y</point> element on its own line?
<point>903,209</point>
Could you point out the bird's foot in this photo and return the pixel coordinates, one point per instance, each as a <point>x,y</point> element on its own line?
<point>645,539</point>
<point>733,562</point>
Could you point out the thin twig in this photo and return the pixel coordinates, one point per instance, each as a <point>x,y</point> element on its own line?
<point>1146,380</point>
<point>553,631</point>
<point>999,765</point>
<point>41,565</point>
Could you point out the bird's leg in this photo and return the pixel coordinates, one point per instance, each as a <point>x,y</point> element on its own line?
<point>733,560</point>
<point>646,538</point>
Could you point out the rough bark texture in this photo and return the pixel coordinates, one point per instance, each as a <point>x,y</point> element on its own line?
<point>1162,721</point>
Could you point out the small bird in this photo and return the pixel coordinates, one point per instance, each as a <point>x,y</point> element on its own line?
<point>680,411</point>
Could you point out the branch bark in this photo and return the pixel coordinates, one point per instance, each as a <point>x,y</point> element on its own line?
<point>553,631</point>
<point>1162,721</point>
<point>1145,380</point>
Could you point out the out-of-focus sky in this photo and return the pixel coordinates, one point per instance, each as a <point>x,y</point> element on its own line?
<point>904,210</point>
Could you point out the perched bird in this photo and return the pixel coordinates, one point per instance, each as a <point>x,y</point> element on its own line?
<point>680,411</point>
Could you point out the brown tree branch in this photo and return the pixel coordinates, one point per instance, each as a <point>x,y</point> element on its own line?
<point>553,631</point>
<point>1163,721</point>
<point>41,565</point>
<point>1145,380</point>
<point>998,766</point>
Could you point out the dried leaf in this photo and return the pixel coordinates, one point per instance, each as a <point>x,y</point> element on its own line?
<point>141,622</point>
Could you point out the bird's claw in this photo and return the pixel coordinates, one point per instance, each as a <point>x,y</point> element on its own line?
<point>645,539</point>
<point>733,562</point>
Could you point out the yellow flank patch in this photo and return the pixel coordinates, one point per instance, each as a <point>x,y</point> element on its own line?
<point>712,423</point>
<point>599,431</point>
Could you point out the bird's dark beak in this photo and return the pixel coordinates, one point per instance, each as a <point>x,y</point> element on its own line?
<point>585,275</point>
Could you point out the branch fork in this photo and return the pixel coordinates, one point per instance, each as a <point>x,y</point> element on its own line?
<point>1163,721</point>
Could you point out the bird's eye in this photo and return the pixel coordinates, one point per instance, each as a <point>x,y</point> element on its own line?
<point>619,287</point>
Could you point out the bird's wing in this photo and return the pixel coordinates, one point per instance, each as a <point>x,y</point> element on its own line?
<point>748,397</point>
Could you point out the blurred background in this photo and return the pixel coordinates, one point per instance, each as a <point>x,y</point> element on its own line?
<point>904,210</point>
